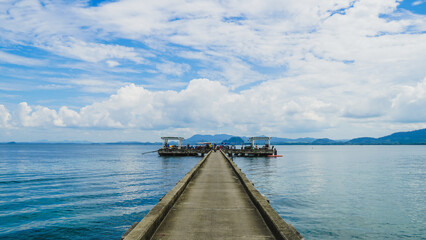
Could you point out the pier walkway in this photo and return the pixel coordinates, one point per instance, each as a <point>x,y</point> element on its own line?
<point>217,202</point>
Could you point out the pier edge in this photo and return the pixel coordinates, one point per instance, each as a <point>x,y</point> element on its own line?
<point>147,226</point>
<point>277,225</point>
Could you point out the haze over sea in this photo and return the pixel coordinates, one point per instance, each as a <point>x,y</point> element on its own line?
<point>90,191</point>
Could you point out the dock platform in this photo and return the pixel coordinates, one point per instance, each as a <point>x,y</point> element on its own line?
<point>215,200</point>
<point>255,152</point>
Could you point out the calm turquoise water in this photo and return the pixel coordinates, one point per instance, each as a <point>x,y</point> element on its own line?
<point>71,191</point>
<point>346,192</point>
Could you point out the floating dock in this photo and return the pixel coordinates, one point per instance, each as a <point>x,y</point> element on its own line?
<point>215,200</point>
<point>249,152</point>
<point>182,152</point>
<point>260,152</point>
<point>252,150</point>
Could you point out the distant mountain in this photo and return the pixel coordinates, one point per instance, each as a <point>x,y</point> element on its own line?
<point>363,140</point>
<point>412,137</point>
<point>324,141</point>
<point>218,138</point>
<point>234,141</point>
<point>238,140</point>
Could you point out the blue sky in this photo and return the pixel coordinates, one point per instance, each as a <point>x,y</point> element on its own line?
<point>136,70</point>
<point>417,7</point>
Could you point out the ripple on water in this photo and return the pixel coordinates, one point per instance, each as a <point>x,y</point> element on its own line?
<point>71,191</point>
<point>346,192</point>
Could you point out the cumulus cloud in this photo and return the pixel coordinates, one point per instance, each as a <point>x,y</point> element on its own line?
<point>135,107</point>
<point>38,117</point>
<point>409,104</point>
<point>4,117</point>
<point>209,105</point>
<point>203,104</point>
<point>367,108</point>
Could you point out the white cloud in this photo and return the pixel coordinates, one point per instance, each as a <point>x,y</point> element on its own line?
<point>203,104</point>
<point>259,33</point>
<point>4,117</point>
<point>90,52</point>
<point>95,85</point>
<point>171,68</point>
<point>233,72</point>
<point>19,60</point>
<point>318,64</point>
<point>210,106</point>
<point>57,27</point>
<point>409,103</point>
<point>367,108</point>
<point>416,3</point>
<point>112,63</point>
<point>68,117</point>
<point>39,117</point>
<point>235,36</point>
<point>53,86</point>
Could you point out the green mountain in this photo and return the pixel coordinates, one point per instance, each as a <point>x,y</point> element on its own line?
<point>363,140</point>
<point>234,141</point>
<point>324,141</point>
<point>412,137</point>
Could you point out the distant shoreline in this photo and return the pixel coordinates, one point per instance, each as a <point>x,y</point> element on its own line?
<point>416,137</point>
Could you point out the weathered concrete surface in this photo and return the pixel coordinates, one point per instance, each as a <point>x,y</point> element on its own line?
<point>276,224</point>
<point>218,202</point>
<point>214,206</point>
<point>145,228</point>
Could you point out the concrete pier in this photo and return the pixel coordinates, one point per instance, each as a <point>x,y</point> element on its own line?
<point>214,200</point>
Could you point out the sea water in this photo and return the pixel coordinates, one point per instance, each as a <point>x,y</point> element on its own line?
<point>97,191</point>
<point>81,191</point>
<point>346,192</point>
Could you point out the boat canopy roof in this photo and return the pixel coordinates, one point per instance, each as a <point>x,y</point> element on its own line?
<point>173,138</point>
